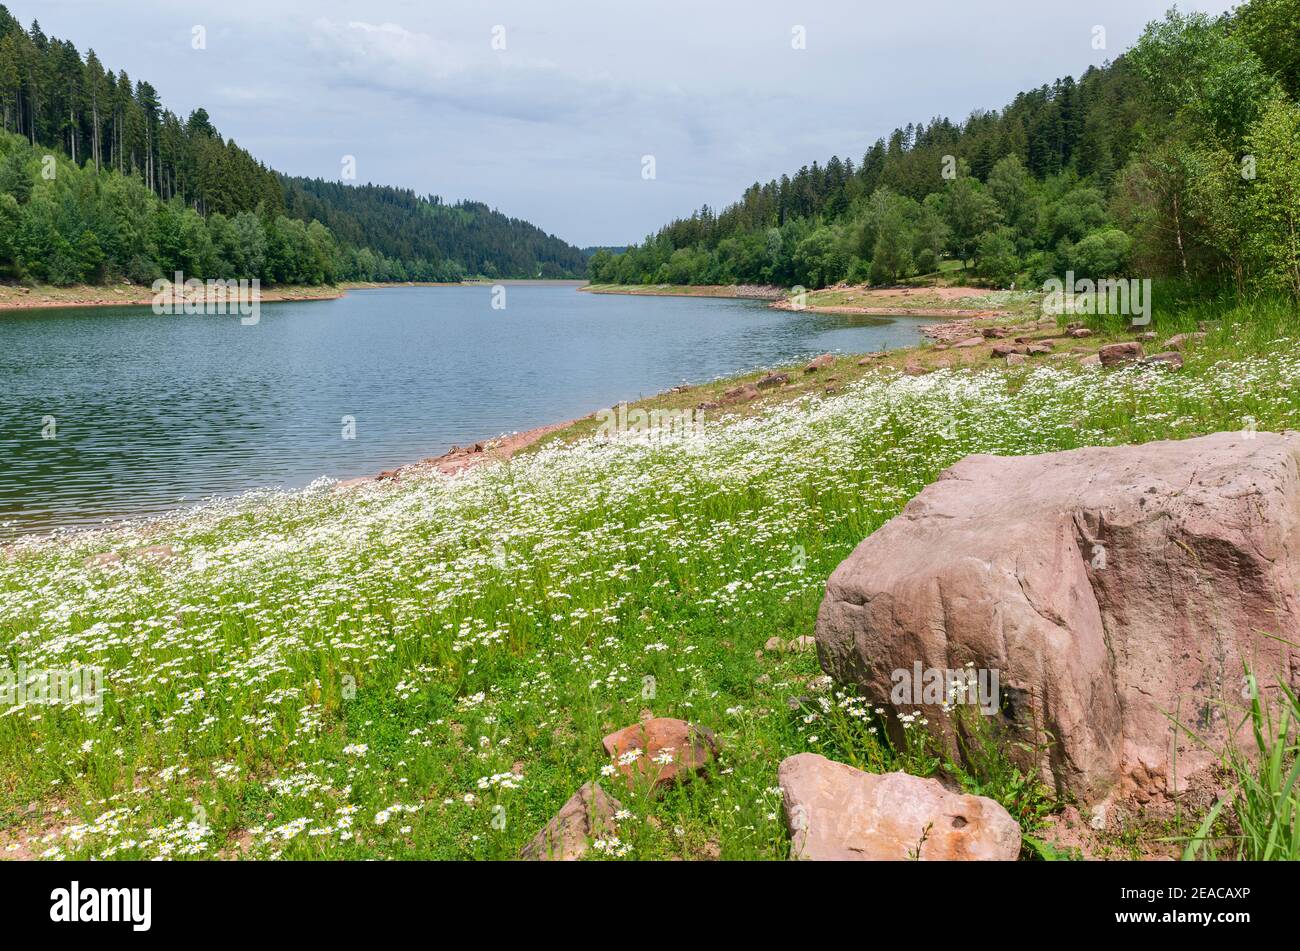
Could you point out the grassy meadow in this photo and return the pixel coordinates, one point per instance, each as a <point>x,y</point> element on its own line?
<point>425,669</point>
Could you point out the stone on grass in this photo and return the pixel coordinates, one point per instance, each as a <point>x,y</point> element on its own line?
<point>686,749</point>
<point>1171,359</point>
<point>740,394</point>
<point>1181,341</point>
<point>819,363</point>
<point>1112,588</point>
<point>588,815</point>
<point>1113,354</point>
<point>837,813</point>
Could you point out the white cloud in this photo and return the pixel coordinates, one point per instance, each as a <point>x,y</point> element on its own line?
<point>390,58</point>
<point>387,54</point>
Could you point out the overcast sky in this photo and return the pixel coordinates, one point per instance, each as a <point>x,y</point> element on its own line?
<point>553,127</point>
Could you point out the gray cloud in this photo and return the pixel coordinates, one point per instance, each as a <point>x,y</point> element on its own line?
<point>387,57</point>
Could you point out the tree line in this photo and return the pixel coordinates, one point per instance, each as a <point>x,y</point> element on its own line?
<point>405,226</point>
<point>1181,157</point>
<point>98,181</point>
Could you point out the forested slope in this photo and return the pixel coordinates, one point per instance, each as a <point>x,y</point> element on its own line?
<point>1181,158</point>
<point>99,181</point>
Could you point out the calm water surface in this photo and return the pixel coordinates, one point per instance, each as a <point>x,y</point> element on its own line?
<point>156,412</point>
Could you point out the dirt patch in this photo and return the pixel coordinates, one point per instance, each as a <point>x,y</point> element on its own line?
<point>131,295</point>
<point>893,311</point>
<point>943,293</point>
<point>42,826</point>
<point>459,458</point>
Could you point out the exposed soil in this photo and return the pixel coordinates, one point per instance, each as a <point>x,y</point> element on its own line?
<point>38,298</point>
<point>461,458</point>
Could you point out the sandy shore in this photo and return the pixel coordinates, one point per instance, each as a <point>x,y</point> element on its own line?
<point>128,295</point>
<point>460,458</point>
<point>39,298</point>
<point>846,309</point>
<point>729,291</point>
<point>779,300</point>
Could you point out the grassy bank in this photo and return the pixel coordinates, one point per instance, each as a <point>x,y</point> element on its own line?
<point>370,673</point>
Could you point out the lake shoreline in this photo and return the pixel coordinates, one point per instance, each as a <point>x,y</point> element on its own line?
<point>760,292</point>
<point>740,393</point>
<point>778,299</point>
<point>713,395</point>
<point>460,458</point>
<point>15,297</point>
<point>734,394</point>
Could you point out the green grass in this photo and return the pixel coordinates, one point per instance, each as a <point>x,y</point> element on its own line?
<point>370,674</point>
<point>1258,818</point>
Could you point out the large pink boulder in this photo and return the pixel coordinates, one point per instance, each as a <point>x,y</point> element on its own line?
<point>836,813</point>
<point>1114,590</point>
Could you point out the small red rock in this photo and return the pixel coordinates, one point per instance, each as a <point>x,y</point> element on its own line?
<point>690,747</point>
<point>1116,353</point>
<point>741,394</point>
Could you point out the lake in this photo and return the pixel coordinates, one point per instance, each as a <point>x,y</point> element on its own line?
<point>154,412</point>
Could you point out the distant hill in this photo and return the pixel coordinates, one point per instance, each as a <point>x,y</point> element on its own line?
<point>142,192</point>
<point>403,225</point>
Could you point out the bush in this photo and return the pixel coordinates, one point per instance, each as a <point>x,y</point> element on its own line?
<point>1101,254</point>
<point>996,254</point>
